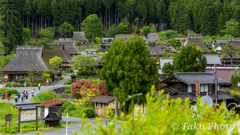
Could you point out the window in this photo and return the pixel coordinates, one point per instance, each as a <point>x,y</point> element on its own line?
<point>106,105</point>
<point>102,105</point>
<point>193,88</point>
<point>18,77</point>
<point>97,104</point>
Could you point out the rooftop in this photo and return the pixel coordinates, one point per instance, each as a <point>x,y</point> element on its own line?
<point>52,102</point>
<point>103,99</point>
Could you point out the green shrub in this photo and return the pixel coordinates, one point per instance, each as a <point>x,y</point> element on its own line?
<point>8,84</point>
<point>235,95</point>
<point>45,96</point>
<point>68,106</point>
<point>12,91</point>
<point>48,72</point>
<point>21,81</point>
<point>67,91</point>
<point>87,113</point>
<point>34,84</point>
<point>15,84</point>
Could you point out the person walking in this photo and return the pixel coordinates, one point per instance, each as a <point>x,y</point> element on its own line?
<point>39,85</point>
<point>16,98</point>
<point>33,92</point>
<point>26,94</point>
<point>22,95</point>
<point>9,95</point>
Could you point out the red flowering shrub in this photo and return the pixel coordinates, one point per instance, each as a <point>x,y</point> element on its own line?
<point>80,85</point>
<point>84,85</point>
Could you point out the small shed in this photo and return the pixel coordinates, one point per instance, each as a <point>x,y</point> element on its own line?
<point>52,119</point>
<point>51,106</point>
<point>103,102</point>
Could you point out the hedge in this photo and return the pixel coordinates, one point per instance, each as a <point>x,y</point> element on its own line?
<point>45,96</point>
<point>3,90</point>
<point>235,95</point>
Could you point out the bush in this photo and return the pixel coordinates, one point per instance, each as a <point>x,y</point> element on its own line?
<point>15,84</point>
<point>12,91</point>
<point>34,84</point>
<point>68,106</point>
<point>48,72</point>
<point>45,96</point>
<point>8,84</point>
<point>87,113</point>
<point>235,95</point>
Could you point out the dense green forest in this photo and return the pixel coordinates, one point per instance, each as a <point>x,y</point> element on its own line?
<point>201,16</point>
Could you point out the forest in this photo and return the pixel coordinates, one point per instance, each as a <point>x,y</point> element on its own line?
<point>207,17</point>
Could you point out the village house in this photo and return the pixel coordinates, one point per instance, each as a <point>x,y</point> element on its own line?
<point>213,60</point>
<point>183,85</point>
<point>103,102</point>
<point>160,48</point>
<point>152,37</point>
<point>197,40</point>
<point>79,36</point>
<point>26,59</point>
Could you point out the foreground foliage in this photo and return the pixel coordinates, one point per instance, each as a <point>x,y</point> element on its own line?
<point>169,117</point>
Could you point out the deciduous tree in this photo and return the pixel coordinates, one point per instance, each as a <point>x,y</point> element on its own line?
<point>55,62</point>
<point>83,62</point>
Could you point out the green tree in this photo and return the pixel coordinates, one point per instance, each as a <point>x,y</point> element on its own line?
<point>161,12</point>
<point>230,50</point>
<point>55,62</point>
<point>147,30</point>
<point>28,10</point>
<point>232,28</point>
<point>168,69</point>
<point>235,78</point>
<point>26,35</point>
<point>46,34</point>
<point>112,31</point>
<point>83,62</point>
<point>174,42</point>
<point>122,28</point>
<point>190,59</point>
<point>12,24</point>
<point>129,69</point>
<point>92,27</point>
<point>55,12</point>
<point>67,27</point>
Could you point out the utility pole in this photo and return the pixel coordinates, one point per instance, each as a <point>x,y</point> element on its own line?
<point>216,84</point>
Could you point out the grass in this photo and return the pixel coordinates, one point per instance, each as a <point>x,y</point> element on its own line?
<point>45,96</point>
<point>66,74</point>
<point>24,127</point>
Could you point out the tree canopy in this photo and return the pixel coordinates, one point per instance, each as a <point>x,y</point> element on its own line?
<point>190,59</point>
<point>92,27</point>
<point>83,62</point>
<point>55,62</point>
<point>123,79</point>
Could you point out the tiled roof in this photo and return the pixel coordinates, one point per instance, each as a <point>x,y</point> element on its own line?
<point>103,99</point>
<point>52,102</point>
<point>192,77</point>
<point>213,59</point>
<point>224,73</point>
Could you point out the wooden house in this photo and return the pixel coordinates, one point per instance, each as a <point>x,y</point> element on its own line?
<point>197,40</point>
<point>26,59</point>
<point>183,85</point>
<point>103,102</point>
<point>52,119</point>
<point>79,36</point>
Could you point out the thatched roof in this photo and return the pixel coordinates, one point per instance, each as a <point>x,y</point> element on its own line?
<point>56,50</point>
<point>80,37</point>
<point>152,37</point>
<point>27,59</point>
<point>197,39</point>
<point>160,48</point>
<point>70,47</point>
<point>234,42</point>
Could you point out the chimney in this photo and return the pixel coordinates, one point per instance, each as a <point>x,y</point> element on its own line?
<point>197,87</point>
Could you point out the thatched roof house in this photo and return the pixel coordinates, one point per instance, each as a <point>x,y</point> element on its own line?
<point>79,36</point>
<point>152,37</point>
<point>226,59</point>
<point>26,59</point>
<point>56,50</point>
<point>160,49</point>
<point>70,47</point>
<point>197,39</point>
